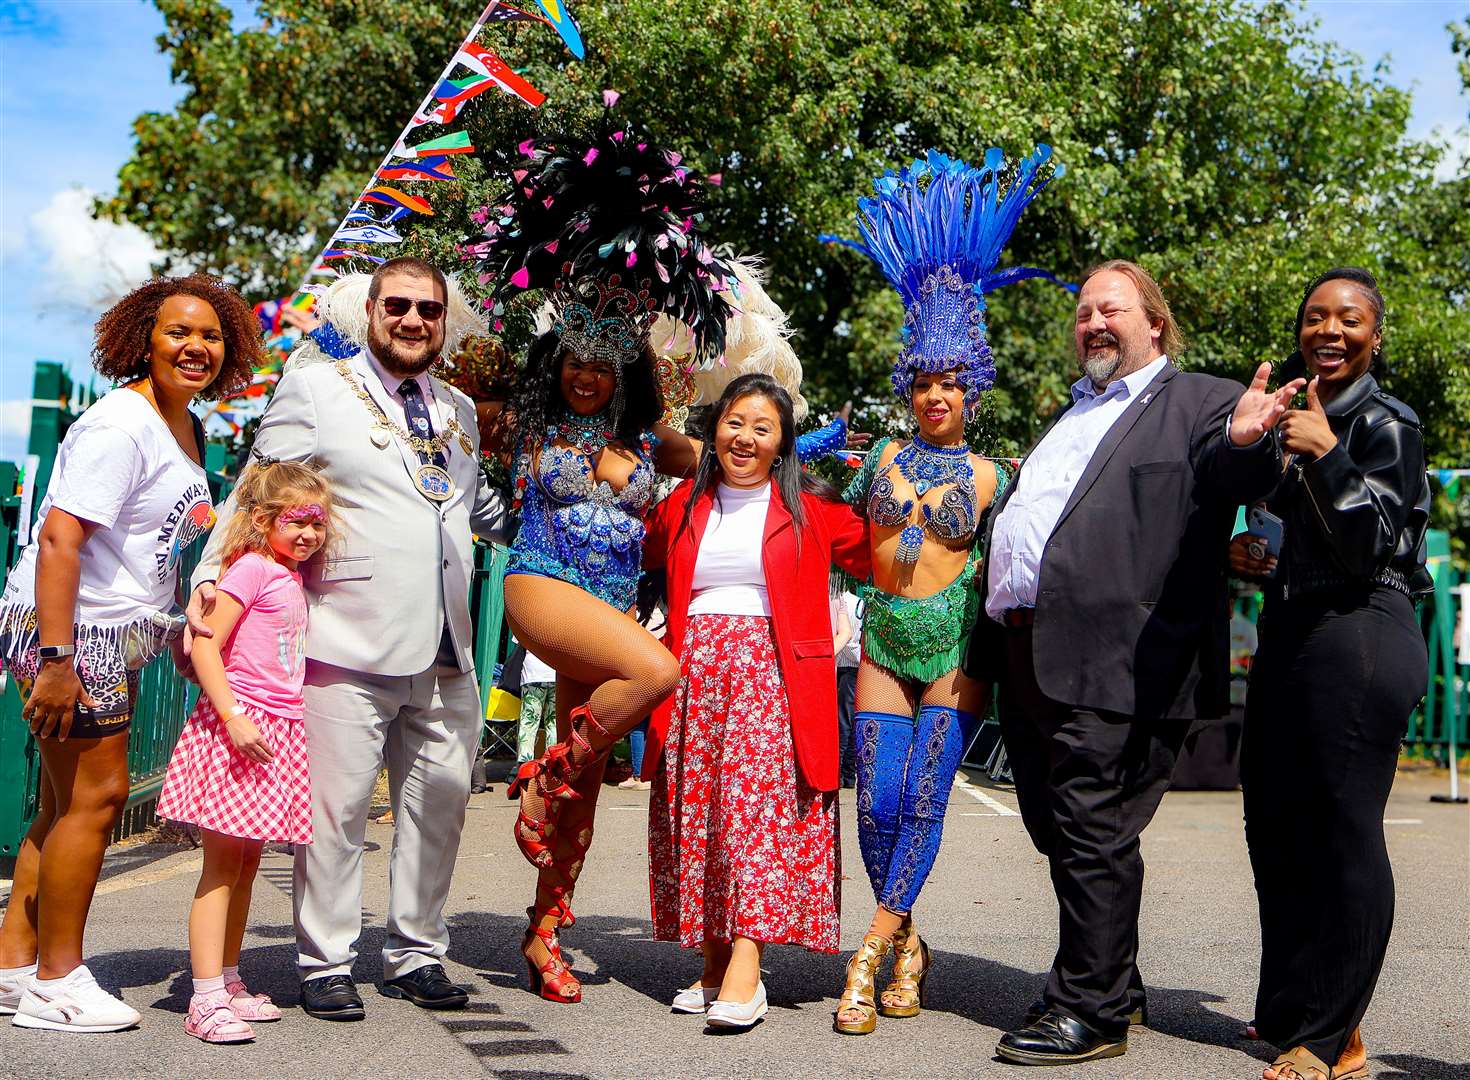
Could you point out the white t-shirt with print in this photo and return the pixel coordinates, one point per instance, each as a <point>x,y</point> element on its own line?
<point>121,468</point>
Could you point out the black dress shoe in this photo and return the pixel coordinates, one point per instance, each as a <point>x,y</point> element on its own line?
<point>331,998</point>
<point>427,987</point>
<point>1057,1039</point>
<point>1037,1009</point>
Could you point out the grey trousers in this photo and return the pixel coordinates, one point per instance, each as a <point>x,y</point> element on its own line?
<point>425,728</point>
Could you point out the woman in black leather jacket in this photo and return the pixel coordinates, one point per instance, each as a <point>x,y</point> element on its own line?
<point>1342,663</point>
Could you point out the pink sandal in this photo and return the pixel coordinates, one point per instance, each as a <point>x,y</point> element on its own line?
<point>212,1020</point>
<point>252,1008</point>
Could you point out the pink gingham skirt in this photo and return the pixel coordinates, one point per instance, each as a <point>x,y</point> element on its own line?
<point>212,785</point>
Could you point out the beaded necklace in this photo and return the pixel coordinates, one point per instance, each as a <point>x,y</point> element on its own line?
<point>927,466</point>
<point>588,434</point>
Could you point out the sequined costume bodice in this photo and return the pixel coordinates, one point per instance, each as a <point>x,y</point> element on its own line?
<point>580,530</point>
<point>952,523</point>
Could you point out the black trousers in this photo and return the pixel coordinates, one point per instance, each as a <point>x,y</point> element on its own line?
<point>846,699</point>
<point>1088,783</point>
<point>1331,690</point>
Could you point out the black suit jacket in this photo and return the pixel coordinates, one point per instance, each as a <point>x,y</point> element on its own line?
<point>1131,607</point>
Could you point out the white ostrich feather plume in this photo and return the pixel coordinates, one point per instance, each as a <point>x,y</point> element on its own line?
<point>345,304</point>
<point>756,339</point>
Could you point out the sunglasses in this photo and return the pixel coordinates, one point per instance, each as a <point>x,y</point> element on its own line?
<point>397,306</point>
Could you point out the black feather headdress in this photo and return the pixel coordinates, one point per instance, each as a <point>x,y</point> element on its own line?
<point>609,229</point>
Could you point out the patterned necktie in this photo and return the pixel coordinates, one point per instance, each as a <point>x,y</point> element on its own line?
<point>418,416</point>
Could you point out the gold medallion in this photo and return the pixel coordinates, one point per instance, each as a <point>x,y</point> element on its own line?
<point>434,482</point>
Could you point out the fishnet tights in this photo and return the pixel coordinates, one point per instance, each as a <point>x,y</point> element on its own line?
<point>603,659</point>
<point>879,690</point>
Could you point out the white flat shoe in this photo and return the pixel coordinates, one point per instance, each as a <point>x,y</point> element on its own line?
<point>737,1014</point>
<point>694,999</point>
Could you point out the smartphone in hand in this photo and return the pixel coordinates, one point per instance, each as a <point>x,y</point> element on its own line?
<point>1269,531</point>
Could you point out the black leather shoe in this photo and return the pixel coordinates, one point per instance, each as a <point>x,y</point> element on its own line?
<point>331,998</point>
<point>1037,1009</point>
<point>1057,1039</point>
<point>428,988</point>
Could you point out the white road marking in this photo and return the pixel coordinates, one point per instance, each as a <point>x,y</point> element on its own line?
<point>1403,821</point>
<point>1000,808</point>
<point>147,877</point>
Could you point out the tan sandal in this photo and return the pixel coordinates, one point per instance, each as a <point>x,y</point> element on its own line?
<point>857,995</point>
<point>911,965</point>
<point>1303,1064</point>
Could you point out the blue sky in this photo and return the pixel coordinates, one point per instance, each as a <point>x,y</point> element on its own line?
<point>75,73</point>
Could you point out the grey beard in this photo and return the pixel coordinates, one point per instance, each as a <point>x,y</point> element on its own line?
<point>1101,371</point>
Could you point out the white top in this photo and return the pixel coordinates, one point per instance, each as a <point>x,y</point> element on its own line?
<point>1046,482</point>
<point>120,467</point>
<point>852,653</point>
<point>536,670</point>
<point>728,576</point>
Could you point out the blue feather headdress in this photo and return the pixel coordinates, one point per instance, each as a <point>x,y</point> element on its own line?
<point>936,230</point>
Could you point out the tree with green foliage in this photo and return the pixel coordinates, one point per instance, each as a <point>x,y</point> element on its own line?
<point>1219,143</point>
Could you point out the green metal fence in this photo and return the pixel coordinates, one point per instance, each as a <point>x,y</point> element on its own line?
<point>1444,709</point>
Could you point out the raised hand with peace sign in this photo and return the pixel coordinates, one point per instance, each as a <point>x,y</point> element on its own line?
<point>1259,409</point>
<point>1306,431</point>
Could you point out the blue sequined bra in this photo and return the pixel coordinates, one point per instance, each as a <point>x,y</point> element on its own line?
<point>579,530</point>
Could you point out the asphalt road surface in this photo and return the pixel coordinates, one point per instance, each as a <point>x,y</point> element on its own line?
<point>987,912</point>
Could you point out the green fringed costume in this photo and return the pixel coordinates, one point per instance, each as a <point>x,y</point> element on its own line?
<point>918,638</point>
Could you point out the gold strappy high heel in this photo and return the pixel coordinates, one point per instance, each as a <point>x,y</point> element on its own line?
<point>911,965</point>
<point>857,995</point>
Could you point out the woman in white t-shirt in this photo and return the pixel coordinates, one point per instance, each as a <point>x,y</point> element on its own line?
<point>88,605</point>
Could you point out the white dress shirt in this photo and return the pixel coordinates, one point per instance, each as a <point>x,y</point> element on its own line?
<point>391,402</point>
<point>1046,482</point>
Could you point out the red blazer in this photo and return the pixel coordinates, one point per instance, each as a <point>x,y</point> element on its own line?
<point>801,618</point>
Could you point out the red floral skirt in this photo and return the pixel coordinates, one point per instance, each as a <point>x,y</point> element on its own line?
<point>739,845</point>
<point>212,785</point>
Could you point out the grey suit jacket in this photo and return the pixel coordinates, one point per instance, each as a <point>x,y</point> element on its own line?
<point>399,570</point>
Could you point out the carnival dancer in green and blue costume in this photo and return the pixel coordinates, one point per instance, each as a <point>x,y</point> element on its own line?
<point>936,230</point>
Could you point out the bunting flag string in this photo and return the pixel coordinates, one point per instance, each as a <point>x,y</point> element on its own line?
<point>391,196</point>
<point>373,215</point>
<point>424,168</point>
<point>457,143</point>
<point>506,13</point>
<point>561,19</point>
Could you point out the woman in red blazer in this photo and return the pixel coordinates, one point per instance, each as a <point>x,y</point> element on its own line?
<point>744,756</point>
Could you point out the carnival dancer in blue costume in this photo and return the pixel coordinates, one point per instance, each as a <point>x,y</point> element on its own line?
<point>936,230</point>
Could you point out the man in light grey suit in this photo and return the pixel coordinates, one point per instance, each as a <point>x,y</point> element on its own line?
<point>389,670</point>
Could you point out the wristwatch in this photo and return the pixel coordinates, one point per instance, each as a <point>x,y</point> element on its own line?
<point>55,652</point>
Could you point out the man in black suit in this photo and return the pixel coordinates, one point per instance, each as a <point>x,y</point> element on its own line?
<point>1103,628</point>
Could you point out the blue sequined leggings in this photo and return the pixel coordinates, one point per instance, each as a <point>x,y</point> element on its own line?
<point>906,766</point>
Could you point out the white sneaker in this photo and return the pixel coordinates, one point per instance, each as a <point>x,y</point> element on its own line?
<point>737,1014</point>
<point>11,990</point>
<point>635,784</point>
<point>79,1004</point>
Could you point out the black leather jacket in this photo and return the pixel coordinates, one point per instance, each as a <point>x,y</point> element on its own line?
<point>1358,514</point>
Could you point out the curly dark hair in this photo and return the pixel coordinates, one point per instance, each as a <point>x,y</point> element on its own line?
<point>120,349</point>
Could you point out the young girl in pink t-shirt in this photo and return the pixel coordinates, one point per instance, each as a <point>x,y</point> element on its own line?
<point>239,770</point>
